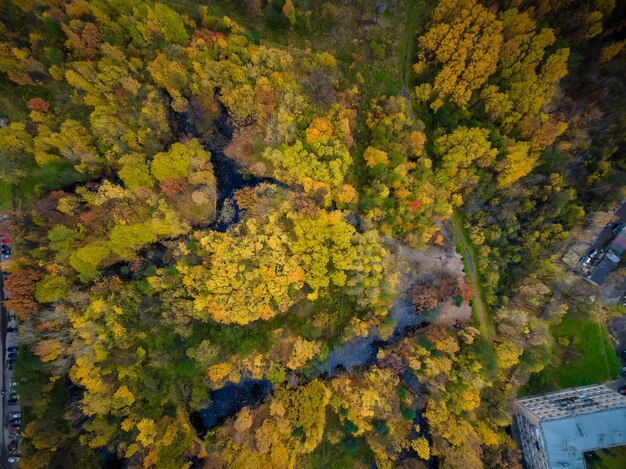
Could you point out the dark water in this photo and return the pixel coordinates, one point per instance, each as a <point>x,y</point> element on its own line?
<point>362,350</point>
<point>229,175</point>
<point>230,399</point>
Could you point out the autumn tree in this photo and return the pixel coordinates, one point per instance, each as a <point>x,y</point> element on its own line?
<point>517,164</point>
<point>465,38</point>
<point>462,153</point>
<point>16,152</point>
<point>21,286</point>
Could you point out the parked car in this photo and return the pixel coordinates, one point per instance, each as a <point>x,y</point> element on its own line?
<point>593,253</point>
<point>622,390</point>
<point>12,402</point>
<point>15,428</point>
<point>11,329</point>
<point>12,349</point>
<point>12,356</point>
<point>15,421</point>
<point>13,459</point>
<point>15,415</point>
<point>10,366</point>
<point>5,249</point>
<point>6,257</point>
<point>11,361</point>
<point>13,395</point>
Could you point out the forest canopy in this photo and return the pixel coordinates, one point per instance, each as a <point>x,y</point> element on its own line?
<point>344,214</point>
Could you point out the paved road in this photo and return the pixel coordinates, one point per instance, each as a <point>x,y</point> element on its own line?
<point>456,231</point>
<point>6,376</point>
<point>470,262</point>
<point>3,333</point>
<point>606,234</point>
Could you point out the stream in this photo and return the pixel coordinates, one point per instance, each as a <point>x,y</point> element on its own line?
<point>227,401</point>
<point>231,398</point>
<point>229,175</point>
<point>362,350</point>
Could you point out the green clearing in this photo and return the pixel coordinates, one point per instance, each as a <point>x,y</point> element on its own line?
<point>416,17</point>
<point>609,458</point>
<point>583,355</point>
<point>5,196</point>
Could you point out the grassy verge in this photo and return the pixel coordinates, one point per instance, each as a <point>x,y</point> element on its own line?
<point>416,17</point>
<point>609,458</point>
<point>480,313</point>
<point>472,303</point>
<point>5,196</point>
<point>583,355</point>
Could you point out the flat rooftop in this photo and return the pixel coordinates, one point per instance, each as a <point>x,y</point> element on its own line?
<point>573,401</point>
<point>566,424</point>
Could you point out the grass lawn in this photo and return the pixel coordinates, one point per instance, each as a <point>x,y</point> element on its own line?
<point>5,196</point>
<point>584,355</point>
<point>610,458</point>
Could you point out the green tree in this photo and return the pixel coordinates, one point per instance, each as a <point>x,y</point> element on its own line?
<point>51,288</point>
<point>87,259</point>
<point>175,163</point>
<point>461,152</point>
<point>135,172</point>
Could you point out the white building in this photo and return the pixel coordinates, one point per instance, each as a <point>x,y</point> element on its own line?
<point>555,429</point>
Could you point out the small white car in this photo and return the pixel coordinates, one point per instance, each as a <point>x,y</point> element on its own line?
<point>13,458</point>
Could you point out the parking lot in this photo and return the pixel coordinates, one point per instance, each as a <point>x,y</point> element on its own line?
<point>11,412</point>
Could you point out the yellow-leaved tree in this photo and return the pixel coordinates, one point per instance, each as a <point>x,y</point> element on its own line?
<point>465,39</point>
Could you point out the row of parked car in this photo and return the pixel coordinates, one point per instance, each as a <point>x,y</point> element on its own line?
<point>5,251</point>
<point>13,418</point>
<point>14,423</point>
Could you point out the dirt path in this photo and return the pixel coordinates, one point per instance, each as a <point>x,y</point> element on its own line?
<point>485,326</point>
<point>409,37</point>
<point>457,234</point>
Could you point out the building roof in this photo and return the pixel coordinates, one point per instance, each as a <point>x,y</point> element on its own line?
<point>567,423</point>
<point>572,401</point>
<point>603,268</point>
<point>618,245</point>
<point>567,439</point>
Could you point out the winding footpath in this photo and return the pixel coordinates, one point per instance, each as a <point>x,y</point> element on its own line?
<point>486,327</point>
